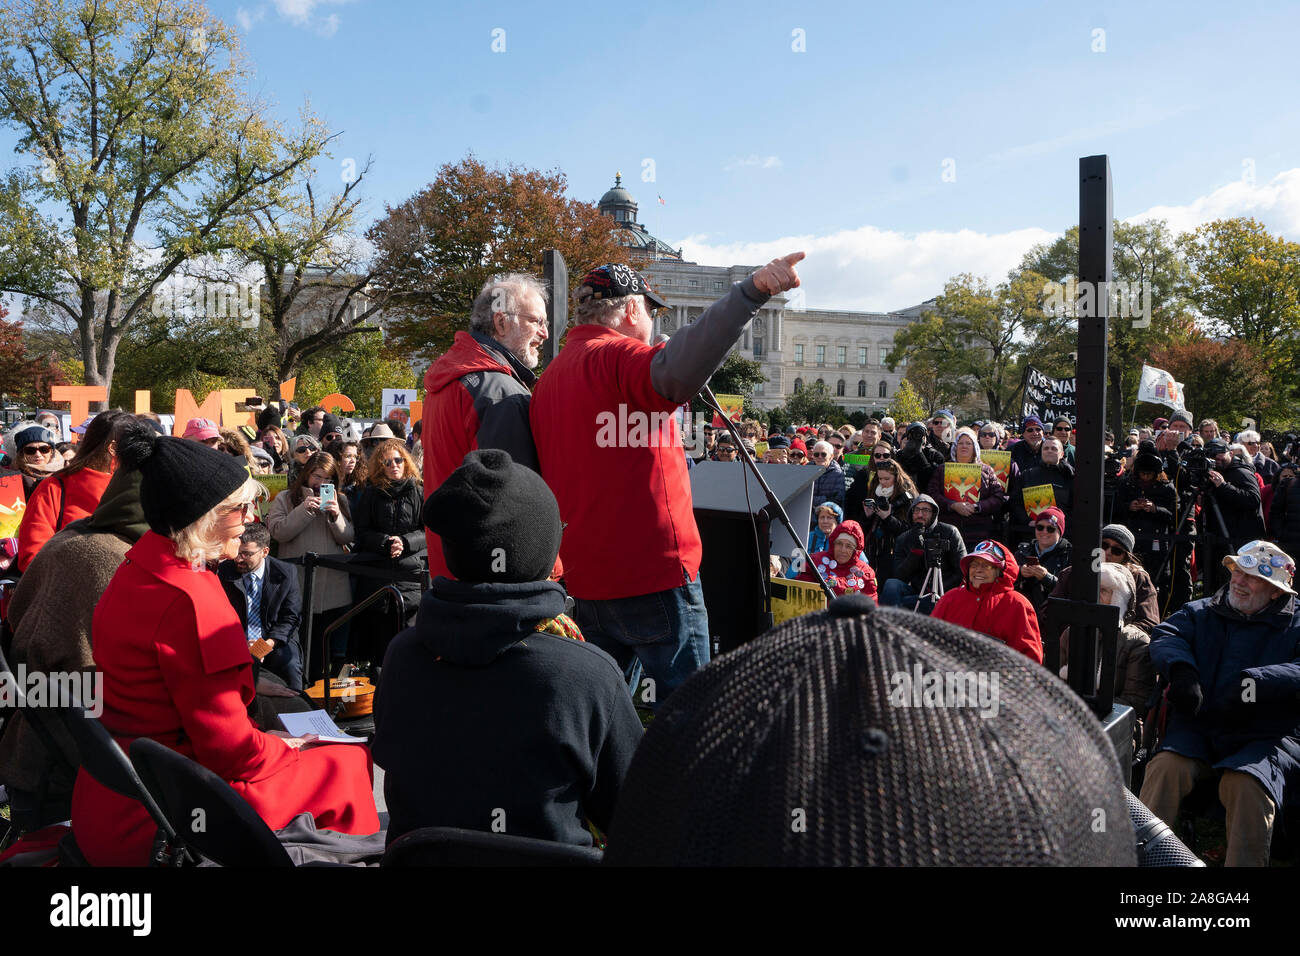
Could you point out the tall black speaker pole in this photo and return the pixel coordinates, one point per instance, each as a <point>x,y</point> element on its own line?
<point>1095,245</point>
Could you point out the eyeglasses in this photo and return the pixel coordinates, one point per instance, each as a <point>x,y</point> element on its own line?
<point>988,434</point>
<point>534,319</point>
<point>797,454</point>
<point>1061,428</point>
<point>248,508</point>
<point>819,454</point>
<point>1033,431</point>
<point>302,449</point>
<point>1114,549</point>
<point>1044,527</point>
<point>879,458</point>
<point>37,450</point>
<point>391,461</point>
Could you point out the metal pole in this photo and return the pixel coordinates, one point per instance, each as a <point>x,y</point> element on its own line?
<point>1095,258</point>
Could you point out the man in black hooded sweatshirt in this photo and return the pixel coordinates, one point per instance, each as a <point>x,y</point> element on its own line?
<point>493,713</point>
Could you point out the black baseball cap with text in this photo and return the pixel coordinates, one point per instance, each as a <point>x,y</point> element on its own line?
<point>615,280</point>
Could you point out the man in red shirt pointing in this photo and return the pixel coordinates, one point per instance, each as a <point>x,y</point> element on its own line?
<point>610,449</point>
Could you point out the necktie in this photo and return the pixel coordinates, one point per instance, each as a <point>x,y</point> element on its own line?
<point>253,586</point>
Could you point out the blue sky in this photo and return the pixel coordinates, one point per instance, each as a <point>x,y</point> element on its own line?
<point>840,148</point>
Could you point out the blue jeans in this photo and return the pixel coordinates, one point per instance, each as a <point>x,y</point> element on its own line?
<point>899,593</point>
<point>666,633</point>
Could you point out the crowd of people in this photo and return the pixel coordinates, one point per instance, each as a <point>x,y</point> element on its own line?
<point>562,581</point>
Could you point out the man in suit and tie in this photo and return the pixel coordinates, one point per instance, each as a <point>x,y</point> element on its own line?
<point>264,592</point>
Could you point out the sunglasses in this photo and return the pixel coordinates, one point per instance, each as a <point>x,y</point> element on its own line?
<point>879,458</point>
<point>302,449</point>
<point>797,454</point>
<point>988,434</point>
<point>1033,431</point>
<point>391,461</point>
<point>1061,428</point>
<point>1044,527</point>
<point>37,450</point>
<point>819,454</point>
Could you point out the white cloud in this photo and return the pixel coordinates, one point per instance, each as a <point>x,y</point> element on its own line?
<point>877,270</point>
<point>302,13</point>
<point>754,160</point>
<point>1276,204</point>
<point>247,19</point>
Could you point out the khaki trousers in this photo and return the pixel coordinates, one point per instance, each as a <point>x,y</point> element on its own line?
<point>1250,810</point>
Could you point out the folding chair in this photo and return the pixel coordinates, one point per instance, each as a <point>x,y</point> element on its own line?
<point>104,760</point>
<point>215,820</point>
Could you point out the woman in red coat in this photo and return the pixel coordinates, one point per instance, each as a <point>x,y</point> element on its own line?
<point>988,602</point>
<point>177,668</point>
<point>75,491</point>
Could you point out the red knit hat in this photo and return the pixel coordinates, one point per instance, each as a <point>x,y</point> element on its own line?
<point>852,529</point>
<point>799,444</point>
<point>1054,515</point>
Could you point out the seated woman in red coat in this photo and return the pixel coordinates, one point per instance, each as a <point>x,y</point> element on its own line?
<point>842,564</point>
<point>177,668</point>
<point>75,491</point>
<point>988,602</point>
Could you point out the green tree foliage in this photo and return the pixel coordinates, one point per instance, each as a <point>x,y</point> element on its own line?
<point>813,404</point>
<point>143,148</point>
<point>736,375</point>
<point>976,335</point>
<point>907,405</point>
<point>1143,253</point>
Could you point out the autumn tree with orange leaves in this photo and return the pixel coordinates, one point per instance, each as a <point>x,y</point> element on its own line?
<point>437,249</point>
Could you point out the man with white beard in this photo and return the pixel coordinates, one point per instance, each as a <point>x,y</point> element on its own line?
<point>1232,662</point>
<point>477,393</point>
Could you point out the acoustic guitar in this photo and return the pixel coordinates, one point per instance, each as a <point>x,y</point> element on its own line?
<point>355,694</point>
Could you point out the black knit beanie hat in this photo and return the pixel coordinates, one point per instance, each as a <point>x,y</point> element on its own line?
<point>873,736</point>
<point>498,521</point>
<point>181,480</point>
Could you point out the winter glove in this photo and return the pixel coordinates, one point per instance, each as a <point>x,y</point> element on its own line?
<point>1185,689</point>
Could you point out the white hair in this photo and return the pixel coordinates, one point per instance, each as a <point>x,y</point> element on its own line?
<point>503,294</point>
<point>1248,435</point>
<point>1121,583</point>
<point>824,446</point>
<point>887,420</point>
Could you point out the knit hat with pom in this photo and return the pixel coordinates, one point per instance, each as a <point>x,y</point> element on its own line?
<point>181,480</point>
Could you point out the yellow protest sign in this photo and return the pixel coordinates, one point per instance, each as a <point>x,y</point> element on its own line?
<point>1039,498</point>
<point>1000,461</point>
<point>733,405</point>
<point>962,482</point>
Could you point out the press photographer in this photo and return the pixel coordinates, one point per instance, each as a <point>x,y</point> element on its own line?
<point>1233,492</point>
<point>928,544</point>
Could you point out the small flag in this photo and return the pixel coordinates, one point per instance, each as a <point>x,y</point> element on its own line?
<point>661,201</point>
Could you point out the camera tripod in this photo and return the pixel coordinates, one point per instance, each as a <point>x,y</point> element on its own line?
<point>931,587</point>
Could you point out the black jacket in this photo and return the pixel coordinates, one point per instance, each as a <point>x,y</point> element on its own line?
<point>919,460</point>
<point>281,614</point>
<point>881,533</point>
<point>1060,476</point>
<point>480,720</point>
<point>394,510</point>
<point>1284,516</point>
<point>909,553</point>
<point>1025,457</point>
<point>1240,503</point>
<point>1055,561</point>
<point>1146,523</point>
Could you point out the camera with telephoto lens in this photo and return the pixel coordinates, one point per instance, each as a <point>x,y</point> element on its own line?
<point>1194,463</point>
<point>935,548</point>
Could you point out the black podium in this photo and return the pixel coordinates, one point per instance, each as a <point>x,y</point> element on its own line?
<point>739,534</point>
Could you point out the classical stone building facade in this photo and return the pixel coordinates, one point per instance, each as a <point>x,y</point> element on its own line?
<point>795,346</point>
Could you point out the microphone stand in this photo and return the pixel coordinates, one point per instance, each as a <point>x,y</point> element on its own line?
<point>709,399</point>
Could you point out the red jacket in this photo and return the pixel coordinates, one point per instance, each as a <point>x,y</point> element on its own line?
<point>996,609</point>
<point>611,452</point>
<point>176,668</point>
<point>843,579</point>
<point>475,396</point>
<point>77,494</point>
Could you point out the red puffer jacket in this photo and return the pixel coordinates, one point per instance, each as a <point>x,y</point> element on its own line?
<point>995,609</point>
